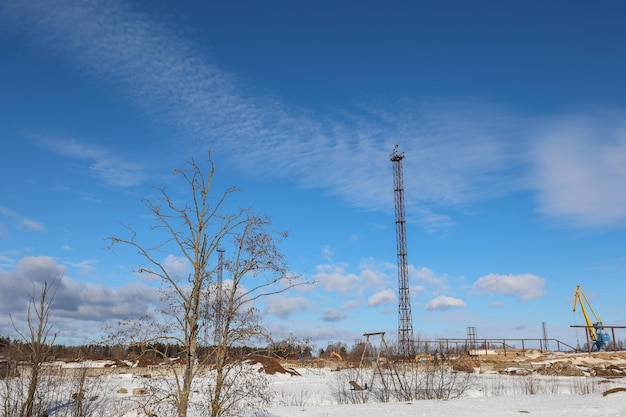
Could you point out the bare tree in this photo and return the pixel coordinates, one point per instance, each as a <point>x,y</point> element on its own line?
<point>38,340</point>
<point>195,230</point>
<point>256,269</point>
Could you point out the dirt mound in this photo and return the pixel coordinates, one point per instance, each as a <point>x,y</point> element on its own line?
<point>611,370</point>
<point>605,364</point>
<point>270,365</point>
<point>465,364</point>
<point>560,369</point>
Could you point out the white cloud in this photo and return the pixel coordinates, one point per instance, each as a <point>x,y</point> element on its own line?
<point>327,252</point>
<point>323,334</point>
<point>177,266</point>
<point>428,278</point>
<point>283,306</point>
<point>331,315</point>
<point>350,305</point>
<point>372,278</point>
<point>85,267</point>
<point>444,303</point>
<point>415,290</point>
<point>73,300</point>
<point>525,286</point>
<point>580,170</point>
<point>16,285</point>
<point>381,298</point>
<point>334,278</point>
<point>99,303</point>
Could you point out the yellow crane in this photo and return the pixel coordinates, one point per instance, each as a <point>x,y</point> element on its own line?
<point>597,334</point>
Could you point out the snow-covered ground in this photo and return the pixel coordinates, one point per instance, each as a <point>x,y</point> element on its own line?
<point>543,405</point>
<point>315,393</point>
<point>311,395</point>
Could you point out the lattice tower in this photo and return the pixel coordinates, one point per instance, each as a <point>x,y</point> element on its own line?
<point>405,320</point>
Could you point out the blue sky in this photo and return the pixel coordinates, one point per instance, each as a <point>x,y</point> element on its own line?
<point>511,117</point>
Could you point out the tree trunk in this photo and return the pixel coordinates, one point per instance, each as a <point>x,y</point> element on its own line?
<point>28,406</point>
<point>219,385</point>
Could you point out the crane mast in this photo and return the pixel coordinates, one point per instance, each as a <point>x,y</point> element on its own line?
<point>595,330</point>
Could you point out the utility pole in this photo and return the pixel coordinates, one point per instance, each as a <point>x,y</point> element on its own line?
<point>405,319</point>
<point>545,345</point>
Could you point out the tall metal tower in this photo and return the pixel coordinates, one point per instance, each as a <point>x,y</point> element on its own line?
<point>405,317</point>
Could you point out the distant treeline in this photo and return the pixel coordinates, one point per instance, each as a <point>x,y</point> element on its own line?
<point>13,349</point>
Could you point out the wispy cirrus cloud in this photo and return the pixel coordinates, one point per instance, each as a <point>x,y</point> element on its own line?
<point>103,163</point>
<point>21,221</point>
<point>458,152</point>
<point>149,62</point>
<point>171,79</point>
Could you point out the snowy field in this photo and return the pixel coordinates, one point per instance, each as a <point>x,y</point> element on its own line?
<point>517,405</point>
<point>489,395</point>
<point>316,392</point>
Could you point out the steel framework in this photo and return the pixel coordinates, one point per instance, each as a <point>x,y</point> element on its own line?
<point>405,318</point>
<point>384,378</point>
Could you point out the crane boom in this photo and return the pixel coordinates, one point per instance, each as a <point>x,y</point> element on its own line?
<point>595,329</point>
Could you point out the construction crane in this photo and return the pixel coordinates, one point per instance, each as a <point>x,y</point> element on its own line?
<point>595,330</point>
